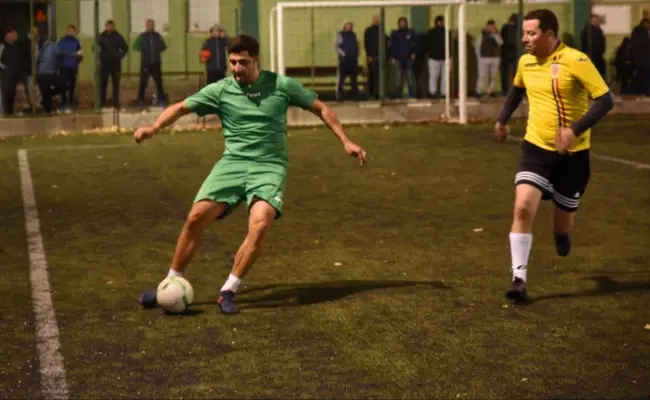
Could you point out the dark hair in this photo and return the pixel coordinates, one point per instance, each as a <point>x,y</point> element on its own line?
<point>243,42</point>
<point>110,22</point>
<point>439,18</point>
<point>547,20</point>
<point>8,30</point>
<point>71,26</point>
<point>491,22</point>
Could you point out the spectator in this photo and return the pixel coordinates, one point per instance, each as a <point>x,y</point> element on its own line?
<point>593,43</point>
<point>9,71</point>
<point>436,50</point>
<point>371,46</point>
<point>113,48</point>
<point>213,54</point>
<point>402,49</point>
<point>346,46</point>
<point>26,56</point>
<point>70,55</point>
<point>640,44</point>
<point>508,64</point>
<point>624,66</point>
<point>151,45</point>
<point>49,80</point>
<point>488,51</point>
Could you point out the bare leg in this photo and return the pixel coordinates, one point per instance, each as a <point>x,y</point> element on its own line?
<point>200,216</point>
<point>262,215</point>
<point>527,199</point>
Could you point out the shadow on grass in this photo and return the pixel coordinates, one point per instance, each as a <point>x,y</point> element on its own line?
<point>604,285</point>
<point>303,294</point>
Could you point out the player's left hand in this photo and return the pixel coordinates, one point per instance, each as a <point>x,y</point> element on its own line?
<point>564,140</point>
<point>355,150</point>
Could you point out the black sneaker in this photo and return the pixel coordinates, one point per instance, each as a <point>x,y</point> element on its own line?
<point>562,245</point>
<point>148,299</point>
<point>517,290</point>
<point>227,302</point>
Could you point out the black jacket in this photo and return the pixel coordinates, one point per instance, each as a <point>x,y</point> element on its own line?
<point>112,46</point>
<point>217,46</point>
<point>641,46</point>
<point>598,42</point>
<point>10,61</point>
<point>435,41</point>
<point>151,47</point>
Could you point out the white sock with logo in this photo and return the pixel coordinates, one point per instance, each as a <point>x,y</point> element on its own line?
<point>232,284</point>
<point>520,244</point>
<point>173,273</point>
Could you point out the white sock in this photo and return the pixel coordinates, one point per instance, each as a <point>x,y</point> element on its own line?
<point>232,284</point>
<point>520,244</point>
<point>173,273</point>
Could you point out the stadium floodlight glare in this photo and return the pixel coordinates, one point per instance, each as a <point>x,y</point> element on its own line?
<point>277,43</point>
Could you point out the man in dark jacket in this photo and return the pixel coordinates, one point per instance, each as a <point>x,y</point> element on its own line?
<point>508,64</point>
<point>488,52</point>
<point>346,46</point>
<point>595,45</point>
<point>435,41</point>
<point>371,46</point>
<point>70,55</point>
<point>151,46</point>
<point>641,56</point>
<point>10,70</point>
<point>402,50</point>
<point>215,58</point>
<point>113,48</point>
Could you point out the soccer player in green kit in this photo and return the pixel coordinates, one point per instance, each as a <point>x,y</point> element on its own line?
<point>252,105</point>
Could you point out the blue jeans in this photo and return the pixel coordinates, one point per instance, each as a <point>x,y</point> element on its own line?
<point>405,68</point>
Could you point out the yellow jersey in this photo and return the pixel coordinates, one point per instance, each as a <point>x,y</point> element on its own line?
<point>558,89</point>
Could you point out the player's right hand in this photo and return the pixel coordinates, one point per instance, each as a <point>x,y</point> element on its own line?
<point>143,133</point>
<point>501,131</point>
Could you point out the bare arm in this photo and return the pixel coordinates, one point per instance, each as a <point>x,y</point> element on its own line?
<point>330,119</point>
<point>170,115</point>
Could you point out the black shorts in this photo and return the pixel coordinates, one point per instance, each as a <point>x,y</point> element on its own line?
<point>561,178</point>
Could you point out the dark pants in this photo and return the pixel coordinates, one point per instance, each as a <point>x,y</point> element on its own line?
<point>7,94</point>
<point>642,80</point>
<point>114,71</point>
<point>215,75</point>
<point>69,77</point>
<point>405,68</point>
<point>347,68</point>
<point>154,71</point>
<point>507,70</point>
<point>373,78</point>
<point>50,86</point>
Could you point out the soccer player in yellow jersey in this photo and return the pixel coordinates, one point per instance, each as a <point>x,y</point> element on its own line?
<point>554,165</point>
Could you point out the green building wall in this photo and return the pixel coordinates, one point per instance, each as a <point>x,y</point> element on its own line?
<point>309,33</point>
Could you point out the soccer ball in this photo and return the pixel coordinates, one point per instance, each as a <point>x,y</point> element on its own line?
<point>174,294</point>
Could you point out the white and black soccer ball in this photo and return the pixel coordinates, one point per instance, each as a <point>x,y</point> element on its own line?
<point>174,294</point>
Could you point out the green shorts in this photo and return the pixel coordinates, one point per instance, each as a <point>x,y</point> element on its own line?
<point>232,181</point>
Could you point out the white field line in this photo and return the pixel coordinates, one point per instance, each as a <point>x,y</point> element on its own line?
<point>52,369</point>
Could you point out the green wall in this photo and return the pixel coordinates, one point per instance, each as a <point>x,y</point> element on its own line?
<point>309,33</point>
<point>183,48</point>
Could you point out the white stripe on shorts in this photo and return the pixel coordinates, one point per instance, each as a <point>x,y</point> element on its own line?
<point>566,201</point>
<point>535,178</point>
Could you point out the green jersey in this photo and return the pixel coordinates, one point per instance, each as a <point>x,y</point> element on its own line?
<point>253,116</point>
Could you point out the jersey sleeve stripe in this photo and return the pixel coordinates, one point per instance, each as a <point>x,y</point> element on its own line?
<point>559,102</point>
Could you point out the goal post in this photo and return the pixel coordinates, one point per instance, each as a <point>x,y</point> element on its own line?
<point>277,25</point>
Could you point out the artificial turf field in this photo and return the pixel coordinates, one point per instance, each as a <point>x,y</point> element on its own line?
<point>385,281</point>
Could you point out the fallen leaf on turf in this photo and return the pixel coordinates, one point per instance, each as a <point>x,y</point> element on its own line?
<point>478,229</point>
<point>337,264</point>
<point>647,327</point>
